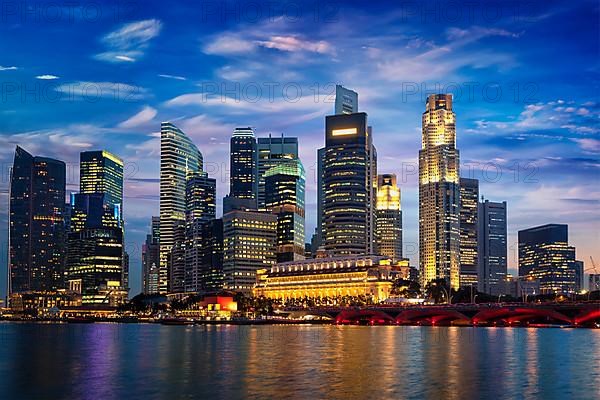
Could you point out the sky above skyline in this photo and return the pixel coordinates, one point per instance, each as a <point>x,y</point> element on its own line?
<point>104,75</point>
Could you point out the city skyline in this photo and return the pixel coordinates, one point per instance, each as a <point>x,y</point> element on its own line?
<point>561,153</point>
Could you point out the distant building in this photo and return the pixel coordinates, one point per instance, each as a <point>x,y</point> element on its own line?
<point>178,158</point>
<point>36,219</point>
<point>349,172</point>
<point>492,239</point>
<point>368,276</point>
<point>388,218</point>
<point>271,152</point>
<point>249,240</point>
<point>151,259</point>
<point>284,197</point>
<point>545,254</point>
<point>211,275</point>
<point>594,282</point>
<point>243,181</point>
<point>469,201</point>
<point>439,194</point>
<point>521,287</point>
<point>317,241</point>
<point>346,101</point>
<point>201,207</point>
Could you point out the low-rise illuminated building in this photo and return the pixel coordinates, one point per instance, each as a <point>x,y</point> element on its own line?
<point>369,276</point>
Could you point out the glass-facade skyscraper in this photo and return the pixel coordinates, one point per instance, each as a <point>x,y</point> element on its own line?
<point>243,182</point>
<point>36,219</point>
<point>179,157</point>
<point>439,196</point>
<point>271,152</point>
<point>346,100</point>
<point>151,258</point>
<point>492,247</point>
<point>388,217</point>
<point>545,254</point>
<point>102,172</point>
<point>285,197</point>
<point>349,172</point>
<point>469,201</point>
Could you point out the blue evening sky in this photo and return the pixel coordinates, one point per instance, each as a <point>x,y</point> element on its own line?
<point>89,75</point>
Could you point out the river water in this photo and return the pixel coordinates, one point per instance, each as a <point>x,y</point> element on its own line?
<point>145,361</point>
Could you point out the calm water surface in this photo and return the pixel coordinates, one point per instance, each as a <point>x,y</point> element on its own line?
<point>143,361</point>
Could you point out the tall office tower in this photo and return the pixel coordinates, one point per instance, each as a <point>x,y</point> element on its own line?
<point>151,259</point>
<point>346,101</point>
<point>125,271</point>
<point>102,172</point>
<point>317,241</point>
<point>469,200</point>
<point>271,152</point>
<point>545,254</point>
<point>211,274</point>
<point>201,207</point>
<point>178,158</point>
<point>95,249</point>
<point>249,239</point>
<point>388,218</point>
<point>284,186</point>
<point>439,195</point>
<point>492,242</point>
<point>243,163</point>
<point>349,172</point>
<point>36,220</point>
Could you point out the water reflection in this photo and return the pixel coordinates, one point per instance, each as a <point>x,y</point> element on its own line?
<point>103,361</point>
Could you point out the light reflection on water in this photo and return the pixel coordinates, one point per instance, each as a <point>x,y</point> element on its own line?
<point>104,361</point>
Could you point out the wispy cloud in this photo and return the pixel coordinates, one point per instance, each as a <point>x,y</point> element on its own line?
<point>141,118</point>
<point>47,77</point>
<point>13,68</point>
<point>129,43</point>
<point>176,77</point>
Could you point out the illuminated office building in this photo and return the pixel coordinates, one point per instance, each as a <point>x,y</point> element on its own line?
<point>492,247</point>
<point>469,200</point>
<point>285,193</point>
<point>102,172</point>
<point>36,223</point>
<point>249,239</point>
<point>243,183</point>
<point>439,195</point>
<point>317,240</point>
<point>545,254</point>
<point>211,271</point>
<point>178,158</point>
<point>388,218</point>
<point>349,172</point>
<point>151,259</point>
<point>200,196</point>
<point>271,152</point>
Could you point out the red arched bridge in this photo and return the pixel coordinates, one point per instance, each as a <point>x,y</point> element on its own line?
<point>583,315</point>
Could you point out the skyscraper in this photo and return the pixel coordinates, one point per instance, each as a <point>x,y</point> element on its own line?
<point>96,259</point>
<point>285,193</point>
<point>469,200</point>
<point>243,183</point>
<point>178,158</point>
<point>317,240</point>
<point>151,259</point>
<point>36,219</point>
<point>492,242</point>
<point>346,101</point>
<point>439,196</point>
<point>388,218</point>
<point>211,273</point>
<point>545,254</point>
<point>271,152</point>
<point>349,171</point>
<point>200,196</point>
<point>249,239</point>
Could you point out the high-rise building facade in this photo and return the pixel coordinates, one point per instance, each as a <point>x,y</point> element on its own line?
<point>346,101</point>
<point>439,196</point>
<point>102,172</point>
<point>211,273</point>
<point>545,254</point>
<point>285,197</point>
<point>151,259</point>
<point>469,201</point>
<point>492,247</point>
<point>388,218</point>
<point>178,158</point>
<point>271,152</point>
<point>317,240</point>
<point>36,223</point>
<point>349,173</point>
<point>249,239</point>
<point>201,207</point>
<point>243,183</point>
